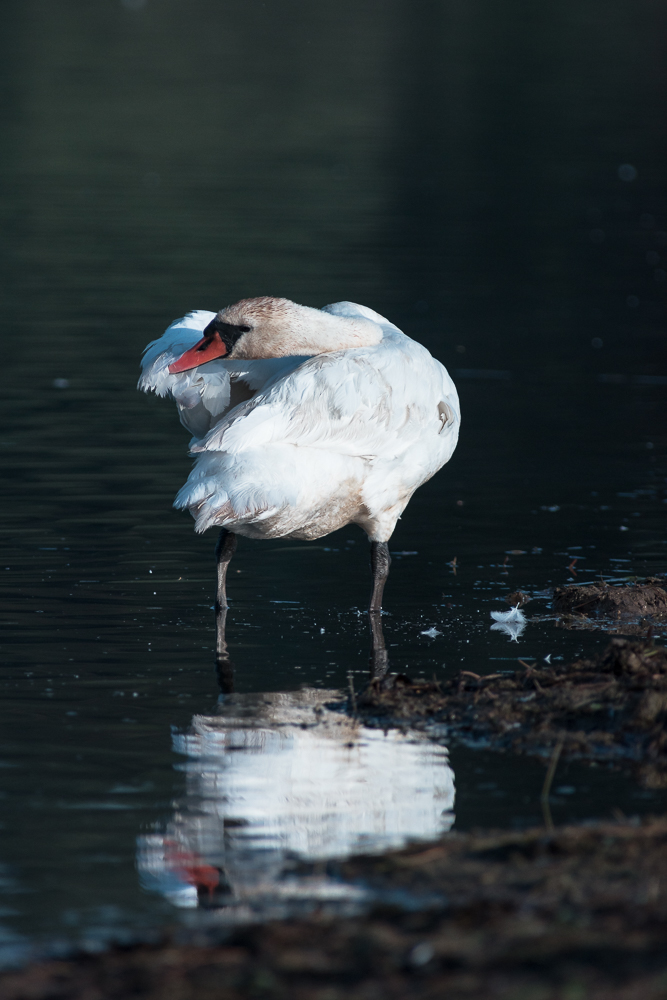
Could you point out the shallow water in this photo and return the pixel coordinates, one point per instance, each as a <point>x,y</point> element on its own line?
<point>459,173</point>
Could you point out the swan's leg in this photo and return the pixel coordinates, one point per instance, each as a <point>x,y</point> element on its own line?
<point>380,563</point>
<point>224,551</point>
<point>379,661</point>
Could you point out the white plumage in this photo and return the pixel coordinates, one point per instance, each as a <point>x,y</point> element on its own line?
<point>294,437</point>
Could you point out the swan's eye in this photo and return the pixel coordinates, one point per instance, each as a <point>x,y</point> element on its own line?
<point>229,333</point>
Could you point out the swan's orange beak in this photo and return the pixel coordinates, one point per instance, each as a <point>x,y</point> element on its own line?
<point>209,347</point>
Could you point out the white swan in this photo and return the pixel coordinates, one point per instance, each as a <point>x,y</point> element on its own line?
<point>304,420</point>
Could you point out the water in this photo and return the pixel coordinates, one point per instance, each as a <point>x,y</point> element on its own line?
<point>458,172</point>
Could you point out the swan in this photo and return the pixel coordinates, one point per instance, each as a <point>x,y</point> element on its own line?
<point>303,420</point>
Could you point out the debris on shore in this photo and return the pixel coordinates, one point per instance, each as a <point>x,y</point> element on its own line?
<point>609,709</point>
<point>581,912</point>
<point>630,608</point>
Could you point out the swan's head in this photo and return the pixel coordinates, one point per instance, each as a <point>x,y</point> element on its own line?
<point>267,327</point>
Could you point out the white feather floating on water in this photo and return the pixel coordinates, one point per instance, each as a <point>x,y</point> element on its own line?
<point>513,615</point>
<point>511,622</point>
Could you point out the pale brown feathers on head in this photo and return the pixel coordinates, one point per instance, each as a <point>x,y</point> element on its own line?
<point>280,328</point>
<point>263,308</point>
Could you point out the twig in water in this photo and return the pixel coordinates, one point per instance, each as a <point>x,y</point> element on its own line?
<point>546,787</point>
<point>353,697</point>
<point>530,669</point>
<point>462,679</point>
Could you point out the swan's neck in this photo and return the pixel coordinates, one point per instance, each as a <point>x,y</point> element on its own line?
<point>305,331</point>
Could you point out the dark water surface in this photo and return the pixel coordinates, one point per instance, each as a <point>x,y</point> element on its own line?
<point>491,177</point>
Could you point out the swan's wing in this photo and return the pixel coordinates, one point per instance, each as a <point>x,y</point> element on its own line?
<point>364,402</point>
<point>159,354</point>
<point>202,394</point>
<point>354,310</point>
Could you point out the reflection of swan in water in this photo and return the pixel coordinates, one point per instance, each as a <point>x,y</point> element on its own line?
<point>274,777</point>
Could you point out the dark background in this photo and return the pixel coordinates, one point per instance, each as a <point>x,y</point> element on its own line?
<point>490,176</point>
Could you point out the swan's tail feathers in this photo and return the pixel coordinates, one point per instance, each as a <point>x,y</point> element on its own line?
<point>211,504</point>
<point>206,502</point>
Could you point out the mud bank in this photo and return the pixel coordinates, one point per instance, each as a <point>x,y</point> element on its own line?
<point>581,913</point>
<point>611,709</point>
<point>648,599</point>
<point>631,608</point>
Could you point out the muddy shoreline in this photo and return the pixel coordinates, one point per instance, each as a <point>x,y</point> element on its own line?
<point>637,608</point>
<point>610,709</point>
<point>579,913</point>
